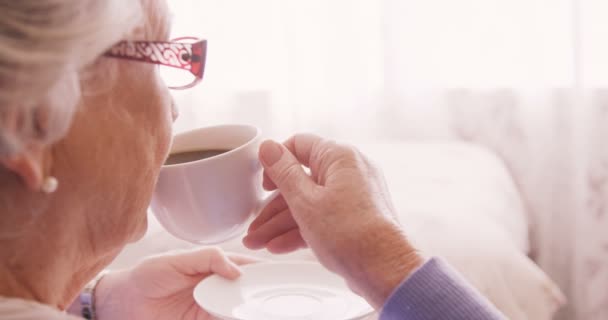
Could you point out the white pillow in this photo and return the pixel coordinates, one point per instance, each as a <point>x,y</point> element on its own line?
<point>452,179</point>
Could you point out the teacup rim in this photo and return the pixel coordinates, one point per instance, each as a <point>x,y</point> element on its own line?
<point>219,156</point>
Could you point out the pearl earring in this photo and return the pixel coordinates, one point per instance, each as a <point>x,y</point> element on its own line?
<point>49,185</point>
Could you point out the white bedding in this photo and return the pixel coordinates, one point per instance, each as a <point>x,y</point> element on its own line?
<point>456,201</point>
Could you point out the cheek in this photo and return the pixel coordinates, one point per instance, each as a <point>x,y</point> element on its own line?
<point>165,143</point>
<point>149,105</point>
<point>166,133</point>
<point>169,114</point>
<point>160,115</point>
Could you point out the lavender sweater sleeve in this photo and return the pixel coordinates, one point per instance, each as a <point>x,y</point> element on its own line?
<point>437,291</point>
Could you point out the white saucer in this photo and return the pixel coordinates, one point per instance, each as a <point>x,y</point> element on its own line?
<point>281,291</point>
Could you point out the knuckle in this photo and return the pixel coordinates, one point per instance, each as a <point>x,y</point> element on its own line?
<point>349,152</point>
<point>289,172</point>
<point>321,150</point>
<point>214,251</point>
<point>350,156</point>
<point>333,151</point>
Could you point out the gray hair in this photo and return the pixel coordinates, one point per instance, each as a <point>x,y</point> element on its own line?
<point>44,46</point>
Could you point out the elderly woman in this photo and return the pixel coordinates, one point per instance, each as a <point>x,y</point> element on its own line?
<point>82,139</point>
<point>85,125</point>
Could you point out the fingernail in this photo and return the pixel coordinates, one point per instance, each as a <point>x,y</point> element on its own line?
<point>252,227</point>
<point>251,243</point>
<point>270,152</point>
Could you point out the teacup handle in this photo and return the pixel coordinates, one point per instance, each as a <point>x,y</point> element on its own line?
<point>264,202</point>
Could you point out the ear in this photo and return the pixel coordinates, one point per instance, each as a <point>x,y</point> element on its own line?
<point>28,166</point>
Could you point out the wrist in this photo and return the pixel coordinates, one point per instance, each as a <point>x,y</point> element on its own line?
<point>86,302</point>
<point>384,259</point>
<point>108,301</point>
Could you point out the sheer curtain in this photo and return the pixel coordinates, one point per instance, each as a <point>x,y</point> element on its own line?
<point>286,65</point>
<point>527,78</point>
<point>332,66</point>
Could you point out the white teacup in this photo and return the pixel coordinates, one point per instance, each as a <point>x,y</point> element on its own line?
<point>211,200</point>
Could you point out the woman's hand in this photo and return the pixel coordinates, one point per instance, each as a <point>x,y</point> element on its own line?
<point>160,288</point>
<point>342,210</point>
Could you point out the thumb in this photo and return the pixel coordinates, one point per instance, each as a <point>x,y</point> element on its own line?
<point>200,261</point>
<point>284,170</point>
<point>220,264</point>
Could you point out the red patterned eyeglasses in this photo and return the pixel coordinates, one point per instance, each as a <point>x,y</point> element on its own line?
<point>181,60</point>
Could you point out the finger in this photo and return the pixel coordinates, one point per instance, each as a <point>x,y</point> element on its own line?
<point>276,226</point>
<point>303,147</point>
<point>267,183</point>
<point>285,171</point>
<point>287,242</point>
<point>311,151</point>
<point>204,261</point>
<point>275,206</point>
<point>242,259</point>
<point>220,264</point>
